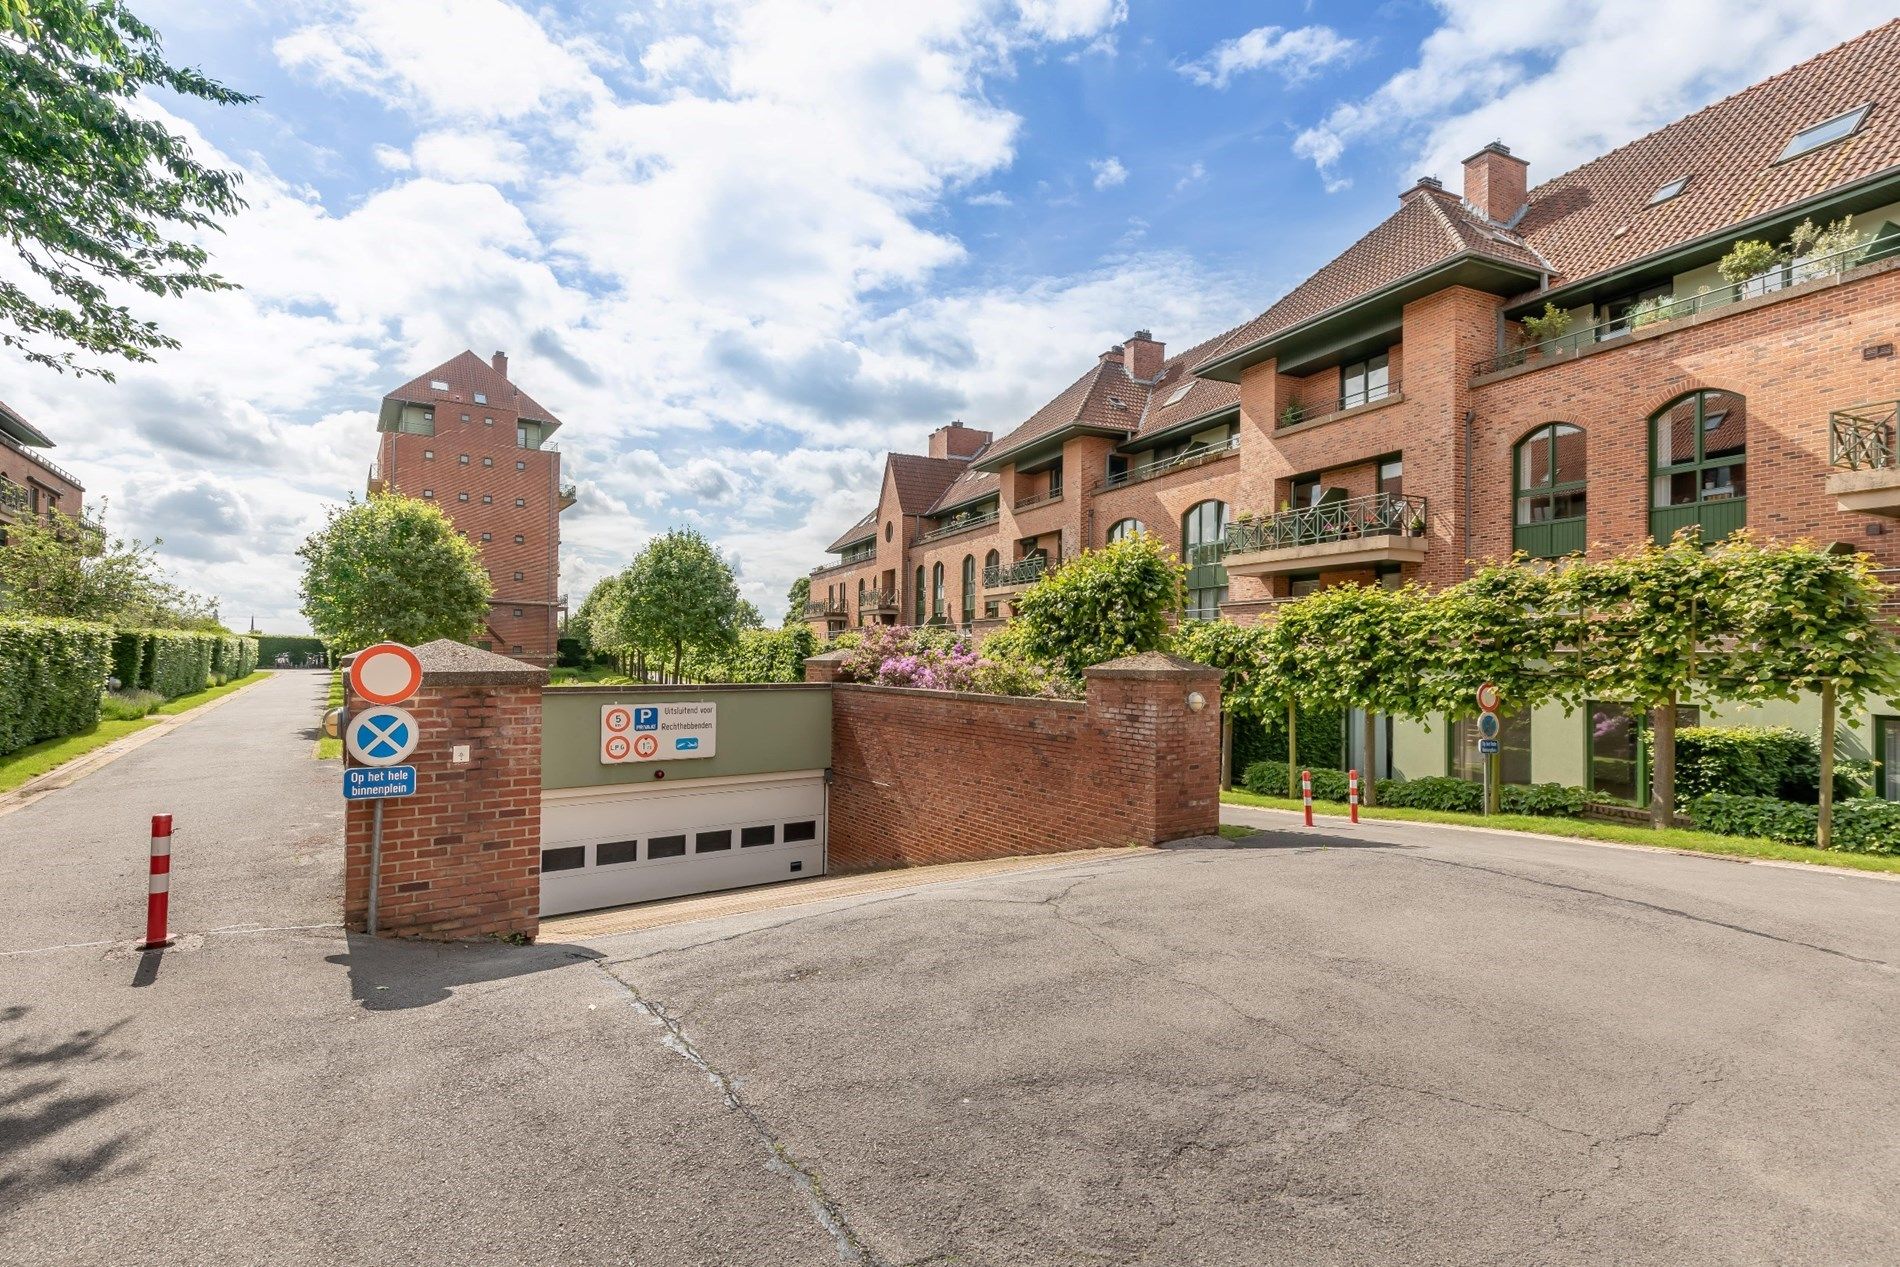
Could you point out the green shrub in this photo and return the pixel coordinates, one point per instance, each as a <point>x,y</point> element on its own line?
<point>570,653</point>
<point>178,663</point>
<point>51,675</point>
<point>1322,738</point>
<point>297,646</point>
<point>128,705</point>
<point>247,656</point>
<point>128,656</point>
<point>1867,825</point>
<point>1544,800</point>
<point>1268,778</point>
<point>1773,761</point>
<point>1439,792</point>
<point>1861,825</point>
<point>1730,814</point>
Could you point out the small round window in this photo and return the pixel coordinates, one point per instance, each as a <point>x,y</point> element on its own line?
<point>887,531</point>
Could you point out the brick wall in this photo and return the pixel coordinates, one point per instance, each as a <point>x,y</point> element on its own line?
<point>49,489</point>
<point>462,857</point>
<point>931,776</point>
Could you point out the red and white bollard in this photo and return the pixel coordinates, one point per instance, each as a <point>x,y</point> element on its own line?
<point>158,895</point>
<point>1306,794</point>
<point>1352,793</point>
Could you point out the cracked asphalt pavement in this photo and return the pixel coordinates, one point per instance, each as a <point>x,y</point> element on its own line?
<point>1383,1044</point>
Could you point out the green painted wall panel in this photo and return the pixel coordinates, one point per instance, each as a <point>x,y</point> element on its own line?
<point>762,730</point>
<point>1417,753</point>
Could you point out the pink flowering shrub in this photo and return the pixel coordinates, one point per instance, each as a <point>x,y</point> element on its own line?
<point>937,658</point>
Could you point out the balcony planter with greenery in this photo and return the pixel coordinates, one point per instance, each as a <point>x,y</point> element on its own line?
<point>1545,328</point>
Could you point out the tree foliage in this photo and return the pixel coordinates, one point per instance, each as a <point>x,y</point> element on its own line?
<point>58,570</point>
<point>795,600</point>
<point>677,596</point>
<point>1101,605</point>
<point>392,568</point>
<point>97,198</point>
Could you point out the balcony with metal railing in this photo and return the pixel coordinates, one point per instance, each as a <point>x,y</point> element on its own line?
<point>831,609</point>
<point>1046,498</point>
<point>1188,458</point>
<point>1864,450</point>
<point>15,502</point>
<point>957,523</point>
<point>1353,532</point>
<point>1008,578</point>
<point>877,602</point>
<point>1667,308</point>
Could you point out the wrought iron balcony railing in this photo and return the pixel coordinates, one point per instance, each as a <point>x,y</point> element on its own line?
<point>1865,438</point>
<point>1038,499</point>
<point>877,601</point>
<point>1293,415</point>
<point>1022,572</point>
<point>1671,308</point>
<point>827,607</point>
<point>1180,461</point>
<point>962,523</point>
<point>1381,514</point>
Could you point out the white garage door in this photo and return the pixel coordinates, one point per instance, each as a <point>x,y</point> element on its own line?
<point>609,846</point>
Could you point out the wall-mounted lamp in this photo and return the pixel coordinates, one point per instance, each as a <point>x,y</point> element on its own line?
<point>1196,701</point>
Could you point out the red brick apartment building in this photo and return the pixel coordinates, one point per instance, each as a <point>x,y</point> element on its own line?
<point>464,436</point>
<point>1391,417</point>
<point>31,486</point>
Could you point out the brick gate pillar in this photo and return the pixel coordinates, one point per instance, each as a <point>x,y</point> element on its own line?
<point>462,857</point>
<point>1161,751</point>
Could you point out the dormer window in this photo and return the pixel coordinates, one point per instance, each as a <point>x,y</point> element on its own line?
<point>1669,190</point>
<point>481,398</point>
<point>1838,128</point>
<point>437,385</point>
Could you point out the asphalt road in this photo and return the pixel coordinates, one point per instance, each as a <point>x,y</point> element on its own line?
<point>1373,1045</point>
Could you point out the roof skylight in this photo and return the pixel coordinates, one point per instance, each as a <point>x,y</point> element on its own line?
<point>1669,190</point>
<point>1838,128</point>
<point>1179,392</point>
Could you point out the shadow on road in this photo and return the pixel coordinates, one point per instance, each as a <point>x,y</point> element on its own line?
<point>35,1109</point>
<point>1283,838</point>
<point>389,975</point>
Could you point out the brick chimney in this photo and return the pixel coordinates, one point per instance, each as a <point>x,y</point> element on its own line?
<point>957,441</point>
<point>1426,185</point>
<point>500,362</point>
<point>1496,183</point>
<point>1142,356</point>
<point>1111,357</point>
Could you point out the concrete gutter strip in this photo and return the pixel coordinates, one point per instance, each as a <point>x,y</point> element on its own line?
<point>1278,817</point>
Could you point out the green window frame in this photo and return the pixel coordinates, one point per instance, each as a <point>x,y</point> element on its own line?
<point>919,605</point>
<point>1548,492</point>
<point>1202,528</point>
<point>1124,528</point>
<point>1463,761</point>
<point>969,588</point>
<point>1887,757</point>
<point>936,591</point>
<point>1694,483</point>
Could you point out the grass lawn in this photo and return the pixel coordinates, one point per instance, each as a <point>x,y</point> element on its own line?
<point>36,759</point>
<point>1586,829</point>
<point>582,677</point>
<point>331,749</point>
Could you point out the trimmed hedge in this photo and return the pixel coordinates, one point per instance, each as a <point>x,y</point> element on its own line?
<point>1542,800</point>
<point>1773,761</point>
<point>1861,825</point>
<point>1322,739</point>
<point>1441,792</point>
<point>1268,778</point>
<point>298,645</point>
<point>52,673</point>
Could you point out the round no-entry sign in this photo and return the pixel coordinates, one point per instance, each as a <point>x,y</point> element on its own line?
<point>1488,697</point>
<point>387,673</point>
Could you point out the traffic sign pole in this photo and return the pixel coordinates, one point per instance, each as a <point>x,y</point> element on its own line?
<point>375,865</point>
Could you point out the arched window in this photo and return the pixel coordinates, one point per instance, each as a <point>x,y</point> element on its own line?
<point>860,600</point>
<point>1698,448</point>
<point>969,588</point>
<point>1551,475</point>
<point>919,603</point>
<point>991,562</point>
<point>1125,527</point>
<point>936,592</point>
<point>1201,531</point>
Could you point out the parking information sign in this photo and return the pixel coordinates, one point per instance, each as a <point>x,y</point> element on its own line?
<point>657,732</point>
<point>375,783</point>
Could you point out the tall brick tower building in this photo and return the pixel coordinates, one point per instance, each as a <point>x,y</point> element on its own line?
<point>463,435</point>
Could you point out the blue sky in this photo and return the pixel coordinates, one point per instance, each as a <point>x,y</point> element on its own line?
<point>743,247</point>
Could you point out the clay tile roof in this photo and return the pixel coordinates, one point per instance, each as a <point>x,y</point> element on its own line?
<point>1203,396</point>
<point>1090,400</point>
<point>1728,151</point>
<point>1432,226</point>
<point>467,374</point>
<point>865,527</point>
<point>972,485</point>
<point>921,480</point>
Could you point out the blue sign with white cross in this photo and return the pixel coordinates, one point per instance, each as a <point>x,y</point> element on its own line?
<point>381,736</point>
<point>374,783</point>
